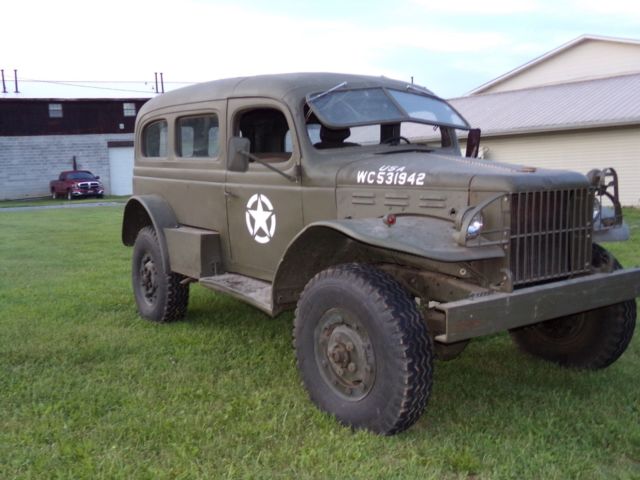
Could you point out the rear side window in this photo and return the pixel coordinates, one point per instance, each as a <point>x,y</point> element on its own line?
<point>197,136</point>
<point>154,139</point>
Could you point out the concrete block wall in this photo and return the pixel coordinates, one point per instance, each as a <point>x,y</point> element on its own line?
<point>28,164</point>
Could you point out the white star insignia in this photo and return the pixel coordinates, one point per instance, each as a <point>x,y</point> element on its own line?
<point>260,217</point>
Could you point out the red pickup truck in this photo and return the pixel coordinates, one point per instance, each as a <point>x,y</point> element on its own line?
<point>76,183</point>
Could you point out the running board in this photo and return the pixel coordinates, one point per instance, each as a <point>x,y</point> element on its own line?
<point>247,289</point>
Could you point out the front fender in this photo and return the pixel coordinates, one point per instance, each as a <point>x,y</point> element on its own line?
<point>427,237</point>
<point>326,243</point>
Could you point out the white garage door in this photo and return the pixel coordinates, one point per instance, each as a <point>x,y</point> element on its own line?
<point>120,170</point>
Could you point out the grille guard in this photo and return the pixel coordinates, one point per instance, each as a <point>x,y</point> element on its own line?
<point>605,185</point>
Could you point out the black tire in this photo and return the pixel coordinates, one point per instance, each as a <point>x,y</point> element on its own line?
<point>589,340</point>
<point>382,381</point>
<point>159,295</point>
<point>69,196</point>
<point>54,195</point>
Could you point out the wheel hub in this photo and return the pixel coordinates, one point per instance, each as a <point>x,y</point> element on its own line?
<point>148,278</point>
<point>345,355</point>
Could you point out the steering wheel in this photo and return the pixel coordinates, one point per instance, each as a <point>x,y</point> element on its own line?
<point>395,140</point>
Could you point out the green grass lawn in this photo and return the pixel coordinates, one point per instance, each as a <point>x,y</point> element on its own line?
<point>39,202</point>
<point>89,390</point>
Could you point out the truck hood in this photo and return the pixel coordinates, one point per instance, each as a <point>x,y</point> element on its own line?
<point>411,169</point>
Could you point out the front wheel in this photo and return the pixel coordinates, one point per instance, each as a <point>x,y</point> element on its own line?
<point>363,349</point>
<point>160,295</point>
<point>590,340</point>
<point>69,196</point>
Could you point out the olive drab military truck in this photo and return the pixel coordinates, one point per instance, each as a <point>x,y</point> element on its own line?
<point>347,199</point>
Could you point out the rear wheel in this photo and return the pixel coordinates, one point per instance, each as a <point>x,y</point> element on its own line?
<point>591,340</point>
<point>54,195</point>
<point>363,349</point>
<point>160,295</point>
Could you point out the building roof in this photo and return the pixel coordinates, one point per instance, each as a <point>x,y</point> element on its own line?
<point>595,103</point>
<point>67,90</point>
<point>546,56</point>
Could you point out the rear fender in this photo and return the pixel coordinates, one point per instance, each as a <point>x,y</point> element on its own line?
<point>144,210</point>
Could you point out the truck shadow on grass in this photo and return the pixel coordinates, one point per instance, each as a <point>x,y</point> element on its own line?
<point>492,387</point>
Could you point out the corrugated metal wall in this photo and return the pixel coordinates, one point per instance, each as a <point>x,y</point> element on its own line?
<point>580,151</point>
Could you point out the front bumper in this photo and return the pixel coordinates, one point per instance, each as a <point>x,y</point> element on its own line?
<point>87,193</point>
<point>477,316</point>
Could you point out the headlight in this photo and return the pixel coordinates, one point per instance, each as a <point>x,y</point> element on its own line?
<point>597,208</point>
<point>475,226</point>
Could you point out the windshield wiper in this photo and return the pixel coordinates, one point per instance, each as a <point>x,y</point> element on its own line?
<point>319,95</point>
<point>417,89</point>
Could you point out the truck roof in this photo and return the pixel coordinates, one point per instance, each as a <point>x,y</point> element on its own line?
<point>291,88</point>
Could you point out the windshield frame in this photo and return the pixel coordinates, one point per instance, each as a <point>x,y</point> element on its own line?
<point>405,117</point>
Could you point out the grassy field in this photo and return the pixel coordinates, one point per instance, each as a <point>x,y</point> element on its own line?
<point>40,202</point>
<point>89,390</point>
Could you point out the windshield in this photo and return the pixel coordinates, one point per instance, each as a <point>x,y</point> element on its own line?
<point>369,106</point>
<point>431,109</point>
<point>80,176</point>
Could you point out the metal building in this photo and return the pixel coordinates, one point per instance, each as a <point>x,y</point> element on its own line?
<point>575,107</point>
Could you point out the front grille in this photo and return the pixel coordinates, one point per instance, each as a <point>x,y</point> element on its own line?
<point>88,185</point>
<point>550,234</point>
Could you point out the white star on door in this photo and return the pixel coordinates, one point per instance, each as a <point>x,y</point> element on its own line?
<point>260,217</point>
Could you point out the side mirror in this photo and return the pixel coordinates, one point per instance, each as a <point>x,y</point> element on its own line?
<point>473,143</point>
<point>97,177</point>
<point>237,160</point>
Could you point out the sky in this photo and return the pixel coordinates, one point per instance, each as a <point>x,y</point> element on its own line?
<point>451,47</point>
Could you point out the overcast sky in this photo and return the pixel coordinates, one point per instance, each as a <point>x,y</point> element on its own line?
<point>450,47</point>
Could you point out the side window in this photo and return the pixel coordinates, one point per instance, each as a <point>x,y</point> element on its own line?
<point>267,129</point>
<point>129,109</point>
<point>55,110</point>
<point>313,130</point>
<point>154,139</point>
<point>197,136</point>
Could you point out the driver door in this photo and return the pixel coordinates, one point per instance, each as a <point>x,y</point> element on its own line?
<point>264,209</point>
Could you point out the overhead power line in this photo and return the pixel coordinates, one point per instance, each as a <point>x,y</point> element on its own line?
<point>82,85</point>
<point>92,84</point>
